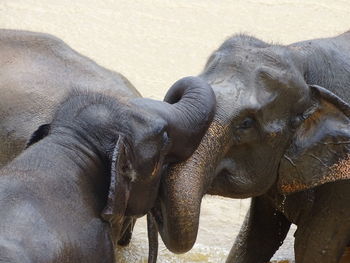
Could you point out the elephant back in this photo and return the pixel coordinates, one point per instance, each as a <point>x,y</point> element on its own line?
<point>37,71</point>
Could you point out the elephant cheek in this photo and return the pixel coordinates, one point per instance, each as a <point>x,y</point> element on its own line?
<point>142,197</point>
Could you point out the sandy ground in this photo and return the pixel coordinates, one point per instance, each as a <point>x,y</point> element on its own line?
<point>155,42</point>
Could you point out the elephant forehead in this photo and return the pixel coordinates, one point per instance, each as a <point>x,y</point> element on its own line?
<point>228,90</point>
<point>233,98</point>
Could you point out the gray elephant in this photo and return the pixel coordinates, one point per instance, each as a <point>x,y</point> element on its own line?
<point>281,134</point>
<point>98,151</point>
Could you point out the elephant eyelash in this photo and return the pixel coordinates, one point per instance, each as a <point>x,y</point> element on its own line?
<point>247,130</point>
<point>247,123</point>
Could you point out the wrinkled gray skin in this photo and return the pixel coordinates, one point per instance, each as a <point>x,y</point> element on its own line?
<point>98,151</point>
<point>277,138</point>
<point>37,72</point>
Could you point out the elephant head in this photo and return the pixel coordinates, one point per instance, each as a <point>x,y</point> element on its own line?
<point>271,129</point>
<point>131,140</point>
<point>155,134</point>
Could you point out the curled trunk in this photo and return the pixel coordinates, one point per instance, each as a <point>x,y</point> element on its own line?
<point>182,189</point>
<point>188,109</point>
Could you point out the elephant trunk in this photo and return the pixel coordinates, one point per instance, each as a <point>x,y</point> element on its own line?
<point>182,190</point>
<point>193,109</point>
<point>188,108</point>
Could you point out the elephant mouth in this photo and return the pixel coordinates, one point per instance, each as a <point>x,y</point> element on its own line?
<point>225,167</point>
<point>229,181</point>
<point>223,173</point>
<point>126,231</point>
<point>220,180</point>
<point>158,216</point>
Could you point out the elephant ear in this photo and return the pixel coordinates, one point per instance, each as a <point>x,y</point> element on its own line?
<point>319,152</point>
<point>39,134</point>
<point>119,188</point>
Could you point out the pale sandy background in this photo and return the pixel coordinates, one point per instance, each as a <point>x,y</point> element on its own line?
<point>153,43</point>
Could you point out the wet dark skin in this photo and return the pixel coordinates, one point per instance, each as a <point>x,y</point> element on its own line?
<point>95,167</point>
<point>60,184</point>
<point>281,135</point>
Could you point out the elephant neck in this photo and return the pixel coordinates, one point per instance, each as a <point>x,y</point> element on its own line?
<point>60,159</point>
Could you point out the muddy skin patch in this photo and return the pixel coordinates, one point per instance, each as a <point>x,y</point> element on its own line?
<point>338,171</point>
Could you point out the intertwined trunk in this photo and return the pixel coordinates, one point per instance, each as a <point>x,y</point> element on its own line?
<point>183,188</point>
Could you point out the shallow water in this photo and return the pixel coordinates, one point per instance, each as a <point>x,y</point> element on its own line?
<point>220,222</point>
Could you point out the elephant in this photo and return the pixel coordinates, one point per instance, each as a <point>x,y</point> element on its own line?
<point>280,135</point>
<point>82,152</point>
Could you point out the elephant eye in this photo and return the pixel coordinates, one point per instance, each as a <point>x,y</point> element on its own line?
<point>247,123</point>
<point>165,137</point>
